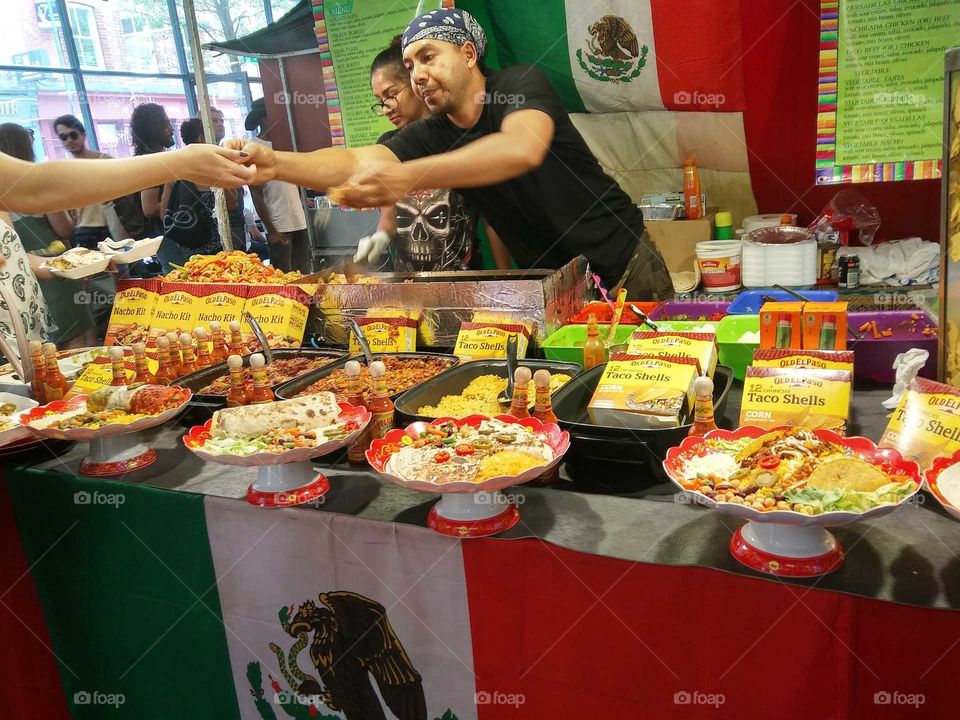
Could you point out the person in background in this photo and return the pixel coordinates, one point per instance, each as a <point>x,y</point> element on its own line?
<point>279,207</point>
<point>235,208</point>
<point>152,132</point>
<point>431,230</point>
<point>42,236</point>
<point>189,221</point>
<point>257,240</point>
<point>91,225</point>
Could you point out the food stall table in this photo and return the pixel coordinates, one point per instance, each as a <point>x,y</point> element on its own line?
<point>594,603</point>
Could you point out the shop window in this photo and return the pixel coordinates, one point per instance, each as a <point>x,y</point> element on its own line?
<point>83,22</point>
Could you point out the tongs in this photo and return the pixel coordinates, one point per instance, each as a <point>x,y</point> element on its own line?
<point>643,318</point>
<point>260,336</point>
<point>361,340</point>
<point>506,397</point>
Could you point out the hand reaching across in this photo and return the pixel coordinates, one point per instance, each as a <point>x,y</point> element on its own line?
<point>257,156</point>
<point>212,166</point>
<point>374,184</point>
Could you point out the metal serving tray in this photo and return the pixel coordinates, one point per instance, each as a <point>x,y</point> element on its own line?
<point>454,380</point>
<point>291,388</point>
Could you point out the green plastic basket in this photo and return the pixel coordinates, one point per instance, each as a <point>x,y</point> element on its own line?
<point>566,344</point>
<point>734,354</point>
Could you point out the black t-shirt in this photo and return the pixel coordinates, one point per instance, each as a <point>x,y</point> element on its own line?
<point>436,231</point>
<point>567,207</point>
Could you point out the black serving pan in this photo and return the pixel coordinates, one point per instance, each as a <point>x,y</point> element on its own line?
<point>291,388</point>
<point>203,406</point>
<point>454,380</point>
<point>590,443</point>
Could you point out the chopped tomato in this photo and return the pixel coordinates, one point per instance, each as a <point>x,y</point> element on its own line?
<point>441,457</point>
<point>465,449</point>
<point>768,462</point>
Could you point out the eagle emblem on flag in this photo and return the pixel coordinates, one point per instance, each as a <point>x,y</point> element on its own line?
<point>613,52</point>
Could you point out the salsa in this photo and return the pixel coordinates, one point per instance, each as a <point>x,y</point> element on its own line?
<point>402,374</point>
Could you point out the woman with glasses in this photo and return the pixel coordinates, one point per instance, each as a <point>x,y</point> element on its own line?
<point>430,230</point>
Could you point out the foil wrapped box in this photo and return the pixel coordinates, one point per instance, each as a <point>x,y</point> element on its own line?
<point>542,299</point>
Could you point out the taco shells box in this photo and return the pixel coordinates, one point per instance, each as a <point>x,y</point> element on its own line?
<point>99,374</point>
<point>926,423</point>
<point>702,347</point>
<point>813,359</point>
<point>386,334</point>
<point>482,340</point>
<point>134,306</point>
<point>177,308</point>
<point>644,391</point>
<point>798,397</point>
<point>281,311</point>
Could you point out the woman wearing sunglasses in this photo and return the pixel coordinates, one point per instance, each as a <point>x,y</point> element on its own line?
<point>431,230</point>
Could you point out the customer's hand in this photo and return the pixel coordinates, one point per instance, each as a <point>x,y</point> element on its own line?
<point>213,166</point>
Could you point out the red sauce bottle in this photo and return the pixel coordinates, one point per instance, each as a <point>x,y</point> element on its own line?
<point>357,398</point>
<point>237,395</point>
<point>203,349</point>
<point>543,411</point>
<point>219,352</point>
<point>166,373</point>
<point>143,365</point>
<point>175,358</point>
<point>519,407</point>
<point>379,404</point>
<point>261,392</point>
<point>236,339</point>
<point>118,367</point>
<point>188,361</point>
<point>55,384</point>
<point>703,420</point>
<point>39,371</point>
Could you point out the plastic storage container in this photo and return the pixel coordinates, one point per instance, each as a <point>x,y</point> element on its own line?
<point>749,302</point>
<point>734,352</point>
<point>566,343</point>
<point>719,263</point>
<point>690,310</point>
<point>874,356</point>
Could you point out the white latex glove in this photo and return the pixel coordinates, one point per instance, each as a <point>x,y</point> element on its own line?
<point>907,364</point>
<point>370,248</point>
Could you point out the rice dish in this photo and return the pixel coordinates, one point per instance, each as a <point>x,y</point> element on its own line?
<point>479,397</point>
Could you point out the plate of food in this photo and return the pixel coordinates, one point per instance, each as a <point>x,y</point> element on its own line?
<point>125,252</point>
<point>107,412</point>
<point>790,484</point>
<point>469,461</point>
<point>11,408</point>
<point>943,481</point>
<point>77,263</point>
<point>280,432</point>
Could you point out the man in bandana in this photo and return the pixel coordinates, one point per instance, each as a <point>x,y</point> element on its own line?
<point>506,143</point>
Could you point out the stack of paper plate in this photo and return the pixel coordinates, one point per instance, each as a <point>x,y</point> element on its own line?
<point>783,255</point>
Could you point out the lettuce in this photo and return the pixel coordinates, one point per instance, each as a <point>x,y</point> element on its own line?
<point>849,500</point>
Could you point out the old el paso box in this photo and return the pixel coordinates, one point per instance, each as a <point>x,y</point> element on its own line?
<point>281,311</point>
<point>176,309</point>
<point>644,391</point>
<point>926,423</point>
<point>223,303</point>
<point>132,315</point>
<point>387,334</point>
<point>702,347</point>
<point>482,340</point>
<point>813,359</point>
<point>799,397</point>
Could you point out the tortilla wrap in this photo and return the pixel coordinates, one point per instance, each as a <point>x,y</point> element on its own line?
<point>250,421</point>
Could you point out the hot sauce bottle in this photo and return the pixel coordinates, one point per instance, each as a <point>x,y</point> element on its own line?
<point>236,339</point>
<point>219,352</point>
<point>203,352</point>
<point>174,340</point>
<point>379,404</point>
<point>188,361</point>
<point>543,411</point>
<point>166,373</point>
<point>118,368</point>
<point>355,396</point>
<point>39,371</point>
<point>703,421</point>
<point>237,394</point>
<point>519,407</point>
<point>54,383</point>
<point>143,365</point>
<point>261,392</point>
<point>594,350</point>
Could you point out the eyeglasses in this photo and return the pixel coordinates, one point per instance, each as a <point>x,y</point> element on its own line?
<point>390,102</point>
<point>72,135</point>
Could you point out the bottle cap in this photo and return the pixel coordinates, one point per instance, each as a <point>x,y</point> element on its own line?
<point>116,353</point>
<point>200,334</point>
<point>234,362</point>
<point>257,361</point>
<point>139,348</point>
<point>49,348</point>
<point>214,325</point>
<point>703,385</point>
<point>185,340</point>
<point>542,378</point>
<point>234,326</point>
<point>172,337</point>
<point>352,369</point>
<point>163,342</point>
<point>521,376</point>
<point>378,369</point>
<point>723,219</point>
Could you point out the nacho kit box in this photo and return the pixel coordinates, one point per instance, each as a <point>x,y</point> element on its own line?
<point>813,359</point>
<point>483,340</point>
<point>99,373</point>
<point>387,334</point>
<point>177,309</point>
<point>798,397</point>
<point>134,306</point>
<point>702,347</point>
<point>223,303</point>
<point>281,311</point>
<point>780,325</point>
<point>644,391</point>
<point>926,423</point>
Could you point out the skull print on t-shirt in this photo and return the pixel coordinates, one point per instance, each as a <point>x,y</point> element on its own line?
<point>435,231</point>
